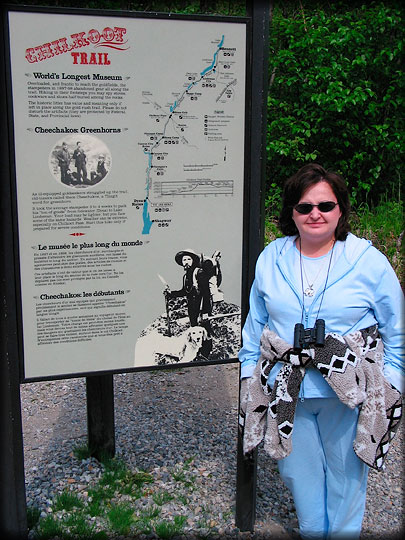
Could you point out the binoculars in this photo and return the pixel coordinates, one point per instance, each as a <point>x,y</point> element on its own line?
<point>305,337</point>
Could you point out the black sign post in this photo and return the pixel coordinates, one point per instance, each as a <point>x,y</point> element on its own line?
<point>13,512</point>
<point>100,416</point>
<point>259,12</point>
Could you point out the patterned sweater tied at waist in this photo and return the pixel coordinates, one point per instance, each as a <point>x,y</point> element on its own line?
<point>353,367</point>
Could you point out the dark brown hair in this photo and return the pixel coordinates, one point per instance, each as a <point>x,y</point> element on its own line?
<point>306,177</point>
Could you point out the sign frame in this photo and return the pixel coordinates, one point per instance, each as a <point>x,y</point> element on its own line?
<point>251,198</point>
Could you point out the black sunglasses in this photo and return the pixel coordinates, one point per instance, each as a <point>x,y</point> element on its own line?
<point>306,208</point>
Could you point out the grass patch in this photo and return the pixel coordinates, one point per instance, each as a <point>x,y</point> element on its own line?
<point>183,499</point>
<point>33,515</point>
<point>71,516</point>
<point>382,220</point>
<point>144,522</point>
<point>115,465</point>
<point>135,483</point>
<point>67,501</point>
<point>95,508</point>
<point>82,452</point>
<point>111,478</point>
<point>151,513</point>
<point>121,517</point>
<point>49,527</point>
<point>181,473</point>
<point>77,525</point>
<point>384,226</point>
<point>98,498</point>
<point>119,478</point>
<point>168,529</point>
<point>101,493</point>
<point>162,498</point>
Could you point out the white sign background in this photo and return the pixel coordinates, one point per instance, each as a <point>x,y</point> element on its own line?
<point>163,101</point>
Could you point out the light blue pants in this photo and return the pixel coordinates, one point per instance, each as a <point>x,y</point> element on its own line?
<point>327,480</point>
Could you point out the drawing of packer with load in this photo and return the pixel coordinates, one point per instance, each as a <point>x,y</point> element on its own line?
<point>198,325</point>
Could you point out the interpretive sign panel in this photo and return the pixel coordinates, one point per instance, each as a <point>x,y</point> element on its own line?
<point>129,146</point>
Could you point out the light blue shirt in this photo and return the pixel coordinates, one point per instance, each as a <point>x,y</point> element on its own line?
<point>362,290</point>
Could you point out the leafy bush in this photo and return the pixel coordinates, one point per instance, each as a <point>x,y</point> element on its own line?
<point>335,94</point>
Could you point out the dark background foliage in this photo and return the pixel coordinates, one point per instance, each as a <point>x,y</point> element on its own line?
<point>336,94</point>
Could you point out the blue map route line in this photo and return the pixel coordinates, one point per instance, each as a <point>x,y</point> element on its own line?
<point>147,221</point>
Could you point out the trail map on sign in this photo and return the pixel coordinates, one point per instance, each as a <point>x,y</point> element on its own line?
<point>211,86</point>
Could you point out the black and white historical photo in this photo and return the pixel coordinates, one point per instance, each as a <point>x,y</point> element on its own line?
<point>80,161</point>
<point>197,324</point>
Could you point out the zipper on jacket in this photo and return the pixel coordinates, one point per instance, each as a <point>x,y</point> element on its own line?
<point>301,394</point>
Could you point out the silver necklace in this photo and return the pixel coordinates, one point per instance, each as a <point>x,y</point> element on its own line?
<point>324,288</point>
<point>309,291</point>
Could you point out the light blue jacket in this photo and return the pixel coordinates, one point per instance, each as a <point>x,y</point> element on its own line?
<point>362,290</point>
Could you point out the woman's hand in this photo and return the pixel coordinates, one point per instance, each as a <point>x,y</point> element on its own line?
<point>244,392</point>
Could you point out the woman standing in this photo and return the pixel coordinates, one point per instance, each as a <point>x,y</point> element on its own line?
<point>320,271</point>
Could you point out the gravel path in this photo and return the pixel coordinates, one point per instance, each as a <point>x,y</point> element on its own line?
<point>182,420</point>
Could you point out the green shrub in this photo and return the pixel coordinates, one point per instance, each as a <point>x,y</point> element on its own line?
<point>336,93</point>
